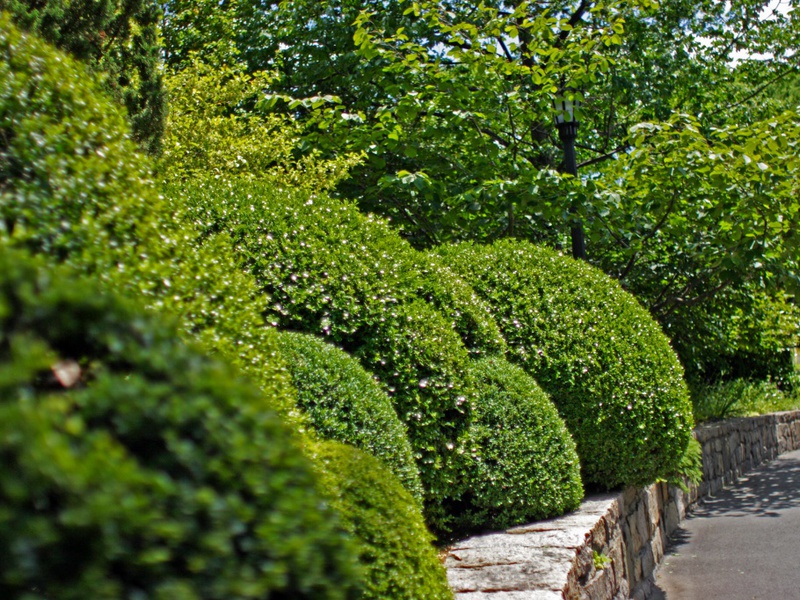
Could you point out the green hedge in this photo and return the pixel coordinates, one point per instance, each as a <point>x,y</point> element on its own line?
<point>135,467</point>
<point>198,278</point>
<point>330,270</point>
<point>606,365</point>
<point>525,467</point>
<point>395,547</point>
<point>454,297</point>
<point>75,189</point>
<point>344,403</point>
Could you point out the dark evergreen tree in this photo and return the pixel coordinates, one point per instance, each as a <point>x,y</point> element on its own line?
<point>118,37</point>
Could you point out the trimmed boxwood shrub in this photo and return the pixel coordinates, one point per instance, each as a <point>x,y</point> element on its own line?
<point>470,316</point>
<point>198,279</point>
<point>605,363</point>
<point>330,270</point>
<point>132,466</point>
<point>396,552</point>
<point>297,220</point>
<point>344,403</point>
<point>524,467</point>
<point>75,189</point>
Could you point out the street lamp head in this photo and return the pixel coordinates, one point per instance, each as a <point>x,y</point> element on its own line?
<point>565,110</point>
<point>565,117</point>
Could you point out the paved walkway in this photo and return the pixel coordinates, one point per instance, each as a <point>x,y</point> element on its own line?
<point>743,544</point>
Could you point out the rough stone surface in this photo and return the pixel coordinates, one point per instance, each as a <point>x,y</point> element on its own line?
<point>554,559</point>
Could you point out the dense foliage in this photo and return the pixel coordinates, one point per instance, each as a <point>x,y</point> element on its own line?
<point>344,403</point>
<point>396,550</point>
<point>331,271</point>
<point>398,82</point>
<point>741,398</point>
<point>745,333</point>
<point>440,116</point>
<point>698,222</point>
<point>524,465</point>
<point>133,466</point>
<point>75,189</point>
<point>118,38</point>
<point>606,365</point>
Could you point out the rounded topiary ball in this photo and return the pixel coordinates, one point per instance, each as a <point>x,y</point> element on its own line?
<point>524,466</point>
<point>344,403</point>
<point>606,364</point>
<point>396,549</point>
<point>133,466</point>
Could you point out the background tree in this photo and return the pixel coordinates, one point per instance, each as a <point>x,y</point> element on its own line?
<point>457,127</point>
<point>424,87</point>
<point>687,169</point>
<point>700,225</point>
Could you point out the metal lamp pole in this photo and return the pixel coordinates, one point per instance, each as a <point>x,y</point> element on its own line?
<point>567,132</point>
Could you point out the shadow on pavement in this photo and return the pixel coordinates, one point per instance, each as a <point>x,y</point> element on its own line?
<point>656,593</point>
<point>763,493</point>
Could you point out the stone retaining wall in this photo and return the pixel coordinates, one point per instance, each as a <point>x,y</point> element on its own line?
<point>609,548</point>
<point>734,447</point>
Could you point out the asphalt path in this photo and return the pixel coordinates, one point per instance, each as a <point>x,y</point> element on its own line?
<point>742,544</point>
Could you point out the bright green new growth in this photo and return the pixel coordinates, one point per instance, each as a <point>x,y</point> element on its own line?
<point>396,552</point>
<point>134,466</point>
<point>210,133</point>
<point>607,366</point>
<point>525,466</point>
<point>344,403</point>
<point>330,270</point>
<point>75,189</point>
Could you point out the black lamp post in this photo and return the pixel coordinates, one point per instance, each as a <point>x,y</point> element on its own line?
<point>568,131</point>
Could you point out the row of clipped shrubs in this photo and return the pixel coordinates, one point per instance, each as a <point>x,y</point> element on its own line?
<point>331,271</point>
<point>394,392</point>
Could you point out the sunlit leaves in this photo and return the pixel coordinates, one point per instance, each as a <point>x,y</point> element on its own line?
<point>462,99</point>
<point>724,201</point>
<point>689,215</point>
<point>331,271</point>
<point>213,131</point>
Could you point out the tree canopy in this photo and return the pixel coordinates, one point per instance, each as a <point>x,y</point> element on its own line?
<point>688,177</point>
